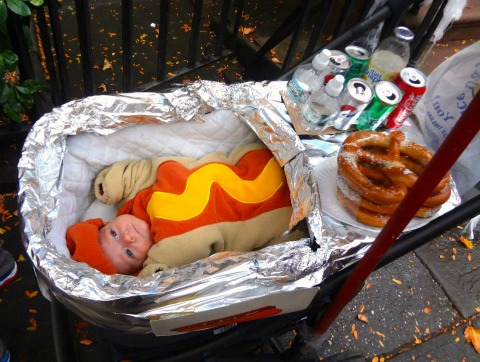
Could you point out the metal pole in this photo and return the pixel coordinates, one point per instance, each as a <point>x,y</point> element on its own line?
<point>458,139</point>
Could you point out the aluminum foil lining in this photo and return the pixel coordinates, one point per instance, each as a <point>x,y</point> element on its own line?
<point>128,303</point>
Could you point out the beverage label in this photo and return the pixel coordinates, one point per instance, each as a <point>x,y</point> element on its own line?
<point>297,92</point>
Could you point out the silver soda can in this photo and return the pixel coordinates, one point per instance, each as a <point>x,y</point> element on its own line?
<point>355,97</point>
<point>339,63</point>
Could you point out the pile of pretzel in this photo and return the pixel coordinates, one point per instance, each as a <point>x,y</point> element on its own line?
<point>375,172</point>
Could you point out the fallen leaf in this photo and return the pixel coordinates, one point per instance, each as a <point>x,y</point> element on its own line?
<point>472,335</point>
<point>417,341</point>
<point>354,331</point>
<point>245,31</point>
<point>468,243</point>
<point>86,342</point>
<point>427,310</point>
<point>103,87</point>
<point>2,231</point>
<point>361,308</point>
<point>31,294</point>
<point>21,258</point>
<point>276,60</point>
<point>33,311</point>
<point>380,334</point>
<point>107,64</point>
<point>363,318</point>
<point>186,28</point>
<point>396,281</point>
<point>33,325</point>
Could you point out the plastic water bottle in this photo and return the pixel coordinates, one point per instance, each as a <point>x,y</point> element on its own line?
<point>391,56</point>
<point>309,77</point>
<point>323,105</point>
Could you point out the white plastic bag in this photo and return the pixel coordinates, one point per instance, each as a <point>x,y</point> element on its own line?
<point>450,89</point>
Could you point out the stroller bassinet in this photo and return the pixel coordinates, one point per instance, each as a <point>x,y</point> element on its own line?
<point>67,147</point>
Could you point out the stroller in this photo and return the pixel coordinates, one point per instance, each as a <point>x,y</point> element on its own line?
<point>260,305</point>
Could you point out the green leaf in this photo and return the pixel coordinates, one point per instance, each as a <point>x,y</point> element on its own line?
<point>2,64</point>
<point>14,115</point>
<point>3,18</point>
<point>10,59</point>
<point>25,99</point>
<point>3,12</point>
<point>36,2</point>
<point>30,86</point>
<point>18,7</point>
<point>5,94</point>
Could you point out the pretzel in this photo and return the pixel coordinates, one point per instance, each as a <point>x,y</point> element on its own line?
<point>377,169</point>
<point>385,154</point>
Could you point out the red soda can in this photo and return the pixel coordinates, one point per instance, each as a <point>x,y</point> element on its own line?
<point>413,84</point>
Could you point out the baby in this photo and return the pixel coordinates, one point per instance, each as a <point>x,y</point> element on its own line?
<point>177,210</point>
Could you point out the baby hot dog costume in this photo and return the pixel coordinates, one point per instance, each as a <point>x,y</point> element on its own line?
<point>222,202</point>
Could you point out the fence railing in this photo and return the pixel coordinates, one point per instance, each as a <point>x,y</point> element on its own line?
<point>70,35</point>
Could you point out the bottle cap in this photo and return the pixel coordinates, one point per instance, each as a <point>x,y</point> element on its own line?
<point>335,85</point>
<point>320,62</point>
<point>403,33</point>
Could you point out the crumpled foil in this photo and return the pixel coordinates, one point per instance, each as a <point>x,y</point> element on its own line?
<point>128,303</point>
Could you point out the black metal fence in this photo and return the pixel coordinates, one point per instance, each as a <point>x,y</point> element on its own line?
<point>73,36</point>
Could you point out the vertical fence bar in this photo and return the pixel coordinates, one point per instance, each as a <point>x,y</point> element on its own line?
<point>236,25</point>
<point>318,27</point>
<point>162,38</point>
<point>85,39</point>
<point>222,27</point>
<point>345,12</point>
<point>127,45</point>
<point>426,28</point>
<point>64,95</point>
<point>49,58</point>
<point>305,7</point>
<point>197,16</point>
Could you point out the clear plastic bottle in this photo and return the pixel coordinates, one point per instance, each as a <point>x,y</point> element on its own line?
<point>391,56</point>
<point>309,77</point>
<point>323,105</point>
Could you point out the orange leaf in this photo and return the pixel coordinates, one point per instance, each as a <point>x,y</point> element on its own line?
<point>33,325</point>
<point>245,31</point>
<point>21,258</point>
<point>468,243</point>
<point>86,342</point>
<point>276,60</point>
<point>107,64</point>
<point>363,318</point>
<point>31,294</point>
<point>472,335</point>
<point>361,308</point>
<point>186,28</point>
<point>396,281</point>
<point>354,331</point>
<point>427,310</point>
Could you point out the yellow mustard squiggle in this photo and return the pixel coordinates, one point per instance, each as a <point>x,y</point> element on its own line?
<point>195,197</point>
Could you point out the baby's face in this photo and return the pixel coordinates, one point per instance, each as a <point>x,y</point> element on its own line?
<point>125,241</point>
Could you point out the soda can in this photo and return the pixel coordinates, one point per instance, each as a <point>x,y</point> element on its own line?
<point>385,98</point>
<point>355,97</point>
<point>359,58</point>
<point>413,83</point>
<point>339,63</point>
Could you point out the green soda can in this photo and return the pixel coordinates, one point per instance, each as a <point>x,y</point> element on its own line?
<point>386,97</point>
<point>359,57</point>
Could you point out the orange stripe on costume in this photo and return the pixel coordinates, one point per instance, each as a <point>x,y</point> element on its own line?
<point>213,193</point>
<point>194,199</point>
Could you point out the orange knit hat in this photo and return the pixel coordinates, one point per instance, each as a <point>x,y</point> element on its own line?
<point>82,242</point>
